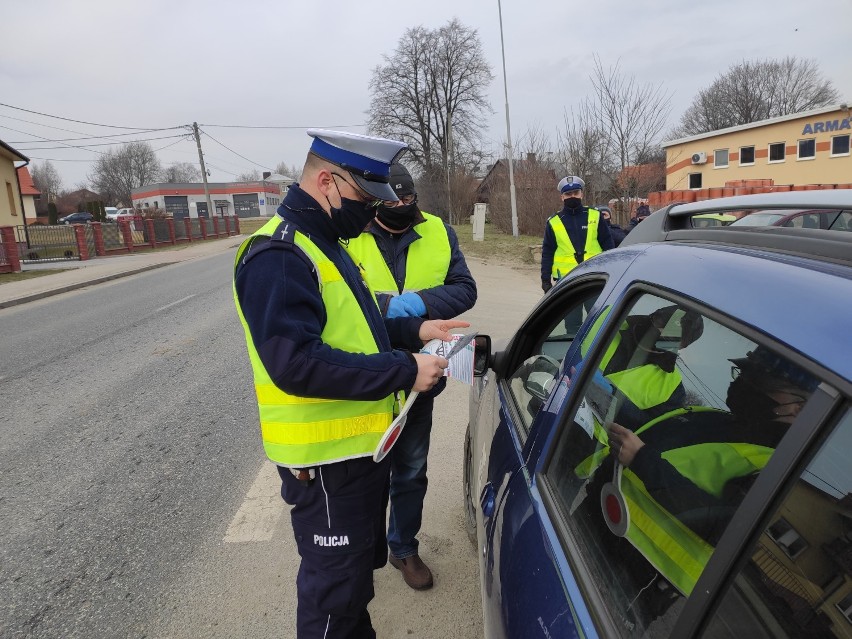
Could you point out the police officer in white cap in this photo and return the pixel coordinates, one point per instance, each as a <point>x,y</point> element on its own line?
<point>573,235</point>
<point>327,375</point>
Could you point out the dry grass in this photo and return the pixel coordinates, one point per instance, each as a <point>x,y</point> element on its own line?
<point>497,246</point>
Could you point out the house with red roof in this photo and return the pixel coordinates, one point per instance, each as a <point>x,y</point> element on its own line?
<point>29,195</point>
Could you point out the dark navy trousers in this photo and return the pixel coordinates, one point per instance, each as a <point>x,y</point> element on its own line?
<point>339,524</point>
<point>408,479</point>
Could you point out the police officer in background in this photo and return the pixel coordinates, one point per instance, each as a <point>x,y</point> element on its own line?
<point>572,235</point>
<point>413,263</point>
<point>326,375</point>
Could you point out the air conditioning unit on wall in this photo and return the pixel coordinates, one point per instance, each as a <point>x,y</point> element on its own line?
<point>699,158</point>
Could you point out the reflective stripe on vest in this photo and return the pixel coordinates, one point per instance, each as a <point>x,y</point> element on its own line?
<point>427,261</point>
<point>301,431</point>
<point>563,258</point>
<point>671,547</point>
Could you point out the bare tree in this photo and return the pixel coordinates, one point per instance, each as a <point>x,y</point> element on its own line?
<point>290,170</point>
<point>118,171</point>
<point>431,93</point>
<point>610,134</point>
<point>249,176</point>
<point>181,172</point>
<point>755,90</point>
<point>47,180</point>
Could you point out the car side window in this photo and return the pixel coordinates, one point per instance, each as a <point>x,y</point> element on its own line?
<point>541,357</point>
<point>676,416</point>
<point>798,579</point>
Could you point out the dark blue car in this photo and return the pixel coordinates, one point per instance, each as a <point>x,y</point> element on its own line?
<point>663,448</point>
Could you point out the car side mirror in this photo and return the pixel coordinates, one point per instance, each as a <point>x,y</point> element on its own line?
<point>481,354</point>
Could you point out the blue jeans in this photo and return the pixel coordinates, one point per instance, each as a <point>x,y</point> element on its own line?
<point>408,479</point>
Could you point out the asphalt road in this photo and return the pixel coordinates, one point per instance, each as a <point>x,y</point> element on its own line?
<point>134,497</point>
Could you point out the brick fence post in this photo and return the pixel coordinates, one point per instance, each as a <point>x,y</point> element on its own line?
<point>82,247</point>
<point>216,226</point>
<point>202,223</point>
<point>98,233</point>
<point>187,223</point>
<point>171,224</point>
<point>236,225</point>
<point>126,234</point>
<point>10,246</point>
<point>227,224</point>
<point>149,227</point>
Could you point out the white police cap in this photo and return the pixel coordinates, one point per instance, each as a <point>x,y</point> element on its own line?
<point>366,158</point>
<point>571,183</point>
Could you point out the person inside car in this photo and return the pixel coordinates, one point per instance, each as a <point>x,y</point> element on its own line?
<point>698,465</point>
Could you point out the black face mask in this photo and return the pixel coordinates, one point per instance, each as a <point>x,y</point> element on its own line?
<point>751,404</point>
<point>351,218</point>
<point>397,218</point>
<point>572,202</point>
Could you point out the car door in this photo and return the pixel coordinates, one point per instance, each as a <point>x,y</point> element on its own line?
<point>516,568</point>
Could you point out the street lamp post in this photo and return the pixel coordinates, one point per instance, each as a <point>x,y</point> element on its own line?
<point>508,131</point>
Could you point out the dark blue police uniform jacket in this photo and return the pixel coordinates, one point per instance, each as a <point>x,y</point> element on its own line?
<point>281,301</point>
<point>575,221</point>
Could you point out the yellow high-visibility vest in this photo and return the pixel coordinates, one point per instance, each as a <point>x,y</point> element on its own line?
<point>427,262</point>
<point>563,258</point>
<point>300,432</point>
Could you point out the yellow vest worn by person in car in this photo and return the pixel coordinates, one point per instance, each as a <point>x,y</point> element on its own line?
<point>300,432</point>
<point>669,545</point>
<point>563,257</point>
<point>647,385</point>
<point>426,265</point>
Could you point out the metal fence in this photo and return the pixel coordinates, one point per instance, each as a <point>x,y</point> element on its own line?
<point>39,243</point>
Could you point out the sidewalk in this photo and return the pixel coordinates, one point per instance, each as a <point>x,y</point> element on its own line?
<point>102,269</point>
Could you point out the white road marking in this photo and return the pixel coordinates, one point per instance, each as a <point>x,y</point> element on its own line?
<point>162,308</point>
<point>260,511</point>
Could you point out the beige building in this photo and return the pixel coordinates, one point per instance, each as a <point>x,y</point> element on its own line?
<point>803,149</point>
<point>11,205</point>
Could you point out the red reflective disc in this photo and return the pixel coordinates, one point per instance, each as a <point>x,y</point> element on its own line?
<point>613,509</point>
<point>389,442</point>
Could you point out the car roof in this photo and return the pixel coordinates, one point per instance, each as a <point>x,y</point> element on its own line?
<point>804,302</point>
<point>671,222</point>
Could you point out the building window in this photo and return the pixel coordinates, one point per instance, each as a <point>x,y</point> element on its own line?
<point>746,155</point>
<point>840,145</point>
<point>807,149</point>
<point>695,180</point>
<point>777,152</point>
<point>720,158</point>
<point>845,606</point>
<point>783,534</point>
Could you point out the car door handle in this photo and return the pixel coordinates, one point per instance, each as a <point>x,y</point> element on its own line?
<point>486,500</point>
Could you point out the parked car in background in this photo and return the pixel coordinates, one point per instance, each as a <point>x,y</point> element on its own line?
<point>825,210</point>
<point>829,220</point>
<point>712,219</point>
<point>81,217</point>
<point>110,212</point>
<point>662,448</point>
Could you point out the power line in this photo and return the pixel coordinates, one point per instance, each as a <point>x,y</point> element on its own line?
<point>49,140</point>
<point>58,159</point>
<point>90,137</point>
<point>85,147</point>
<point>108,126</point>
<point>234,152</point>
<point>247,126</point>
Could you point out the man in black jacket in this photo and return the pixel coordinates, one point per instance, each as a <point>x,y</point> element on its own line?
<point>413,263</point>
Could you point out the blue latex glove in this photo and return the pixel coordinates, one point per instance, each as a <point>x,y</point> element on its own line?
<point>406,305</point>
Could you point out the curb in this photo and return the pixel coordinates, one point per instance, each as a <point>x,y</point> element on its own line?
<point>71,287</point>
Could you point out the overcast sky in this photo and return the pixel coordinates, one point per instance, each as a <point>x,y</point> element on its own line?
<point>166,63</point>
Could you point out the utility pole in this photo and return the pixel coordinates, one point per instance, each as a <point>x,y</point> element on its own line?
<point>203,170</point>
<point>508,132</point>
